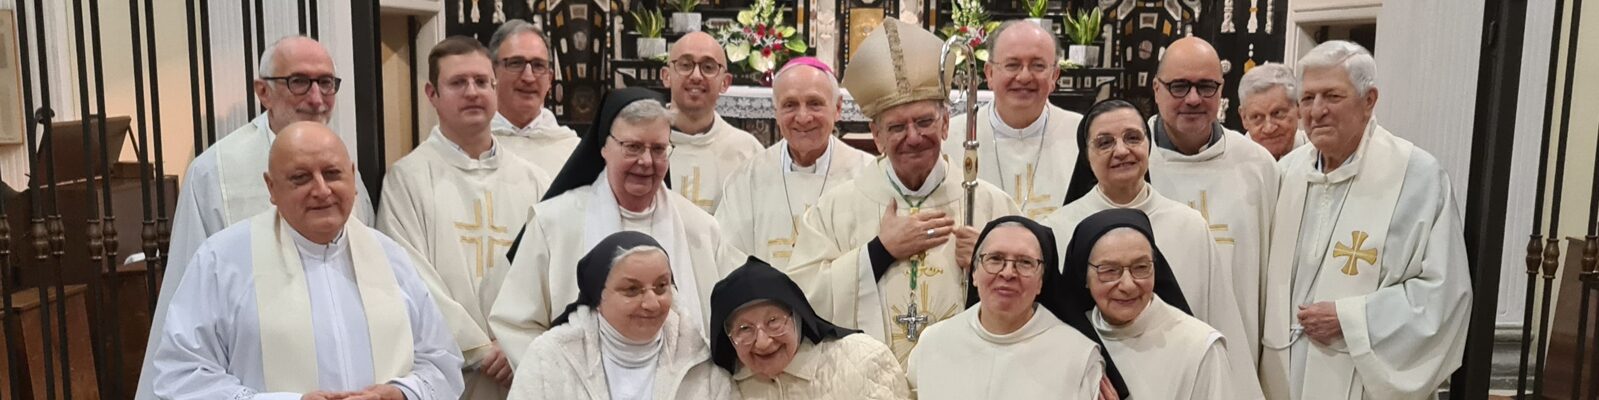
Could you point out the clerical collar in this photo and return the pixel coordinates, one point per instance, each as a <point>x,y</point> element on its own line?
<point>1351,166</point>
<point>494,146</point>
<point>680,138</point>
<point>934,178</point>
<point>544,120</point>
<point>314,250</point>
<point>819,167</point>
<point>1163,139</point>
<point>1001,129</point>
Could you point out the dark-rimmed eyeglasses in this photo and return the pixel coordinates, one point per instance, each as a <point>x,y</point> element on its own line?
<point>995,263</point>
<point>518,64</point>
<point>1112,273</point>
<point>686,67</point>
<point>300,85</point>
<point>1179,88</point>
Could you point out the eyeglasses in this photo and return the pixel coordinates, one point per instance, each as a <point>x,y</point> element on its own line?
<point>461,84</point>
<point>1106,142</point>
<point>1180,88</point>
<point>300,85</point>
<point>633,292</point>
<point>995,263</point>
<point>686,67</point>
<point>922,124</point>
<point>1035,68</point>
<point>773,327</point>
<point>636,149</point>
<point>518,64</point>
<point>1113,273</point>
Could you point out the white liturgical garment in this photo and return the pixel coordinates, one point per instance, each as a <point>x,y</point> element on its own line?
<point>1045,359</point>
<point>1032,164</point>
<point>701,163</point>
<point>1166,354</point>
<point>543,142</point>
<point>763,219</point>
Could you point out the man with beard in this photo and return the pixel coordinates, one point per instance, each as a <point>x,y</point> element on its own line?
<point>706,149</point>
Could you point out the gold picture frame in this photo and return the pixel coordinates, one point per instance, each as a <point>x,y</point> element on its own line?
<point>11,121</point>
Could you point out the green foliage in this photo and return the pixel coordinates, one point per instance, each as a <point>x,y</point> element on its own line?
<point>649,22</point>
<point>684,6</point>
<point>1036,8</point>
<point>1083,28</point>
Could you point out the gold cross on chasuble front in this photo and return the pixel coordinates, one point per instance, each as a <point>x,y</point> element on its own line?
<point>783,248</point>
<point>1204,211</point>
<point>481,235</point>
<point>1354,253</point>
<point>691,190</point>
<point>1037,205</point>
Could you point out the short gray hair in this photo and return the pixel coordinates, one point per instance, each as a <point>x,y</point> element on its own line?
<point>266,66</point>
<point>643,111</point>
<point>993,37</point>
<point>623,253</point>
<point>1356,60</point>
<point>1264,78</point>
<point>512,28</point>
<point>832,82</point>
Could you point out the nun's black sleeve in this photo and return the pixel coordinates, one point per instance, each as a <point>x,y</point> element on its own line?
<point>880,257</point>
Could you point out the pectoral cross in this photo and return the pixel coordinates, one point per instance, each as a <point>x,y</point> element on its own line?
<point>1204,211</point>
<point>484,242</point>
<point>691,190</point>
<point>1027,198</point>
<point>1354,253</point>
<point>913,322</point>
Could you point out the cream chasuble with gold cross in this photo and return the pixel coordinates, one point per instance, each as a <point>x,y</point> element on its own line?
<point>1233,184</point>
<point>456,216</point>
<point>1380,237</point>
<point>833,266</point>
<point>1186,240</point>
<point>701,163</point>
<point>1032,164</point>
<point>760,217</point>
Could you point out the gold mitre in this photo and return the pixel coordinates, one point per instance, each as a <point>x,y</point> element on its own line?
<point>896,64</point>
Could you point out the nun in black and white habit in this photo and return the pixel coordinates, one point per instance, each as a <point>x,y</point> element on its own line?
<point>614,181</point>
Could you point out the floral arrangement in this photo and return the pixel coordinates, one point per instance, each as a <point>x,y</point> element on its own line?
<point>970,20</point>
<point>759,40</point>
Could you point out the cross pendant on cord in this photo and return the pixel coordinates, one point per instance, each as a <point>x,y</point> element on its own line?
<point>912,321</point>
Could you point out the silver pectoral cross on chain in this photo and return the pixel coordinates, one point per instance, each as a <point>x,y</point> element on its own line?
<point>912,321</point>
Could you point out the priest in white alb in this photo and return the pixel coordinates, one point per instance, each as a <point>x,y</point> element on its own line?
<point>1025,143</point>
<point>223,185</point>
<point>886,253</point>
<point>1369,292</point>
<point>452,204</point>
<point>614,182</point>
<point>524,73</point>
<point>1229,179</point>
<point>303,302</point>
<point>1111,173</point>
<point>806,163</point>
<point>706,149</point>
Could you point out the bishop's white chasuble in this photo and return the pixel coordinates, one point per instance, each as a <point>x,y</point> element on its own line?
<point>456,216</point>
<point>701,163</point>
<point>1382,239</point>
<point>833,266</point>
<point>1183,236</point>
<point>1233,184</point>
<point>1033,164</point>
<point>763,219</point>
<point>542,142</point>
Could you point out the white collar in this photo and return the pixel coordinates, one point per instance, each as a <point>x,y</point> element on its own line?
<point>820,167</point>
<point>545,119</point>
<point>317,251</point>
<point>494,145</point>
<point>1001,129</point>
<point>934,178</point>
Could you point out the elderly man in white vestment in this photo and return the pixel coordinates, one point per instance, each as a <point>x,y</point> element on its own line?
<point>301,301</point>
<point>1268,109</point>
<point>524,73</point>
<point>613,183</point>
<point>706,149</point>
<point>807,162</point>
<point>450,204</point>
<point>1230,180</point>
<point>884,253</point>
<point>1369,294</point>
<point>1026,143</point>
<point>223,185</point>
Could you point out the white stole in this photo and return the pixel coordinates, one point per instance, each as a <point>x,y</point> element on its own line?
<point>1383,161</point>
<point>603,218</point>
<point>239,166</point>
<point>283,302</point>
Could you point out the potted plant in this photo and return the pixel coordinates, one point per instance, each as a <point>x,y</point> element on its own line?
<point>650,23</point>
<point>1035,13</point>
<point>759,41</point>
<point>969,20</point>
<point>1083,30</point>
<point>685,20</point>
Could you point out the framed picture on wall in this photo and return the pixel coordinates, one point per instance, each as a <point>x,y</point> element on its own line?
<point>11,122</point>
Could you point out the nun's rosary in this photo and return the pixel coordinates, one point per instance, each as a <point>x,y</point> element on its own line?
<point>911,319</point>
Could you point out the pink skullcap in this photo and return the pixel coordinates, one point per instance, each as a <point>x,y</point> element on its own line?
<point>812,62</point>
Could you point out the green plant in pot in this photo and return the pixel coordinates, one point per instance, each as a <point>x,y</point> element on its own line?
<point>685,19</point>
<point>1083,30</point>
<point>650,23</point>
<point>1037,11</point>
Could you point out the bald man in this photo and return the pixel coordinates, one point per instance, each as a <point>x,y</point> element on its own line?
<point>1229,179</point>
<point>297,83</point>
<point>301,301</point>
<point>758,216</point>
<point>1027,144</point>
<point>706,149</point>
